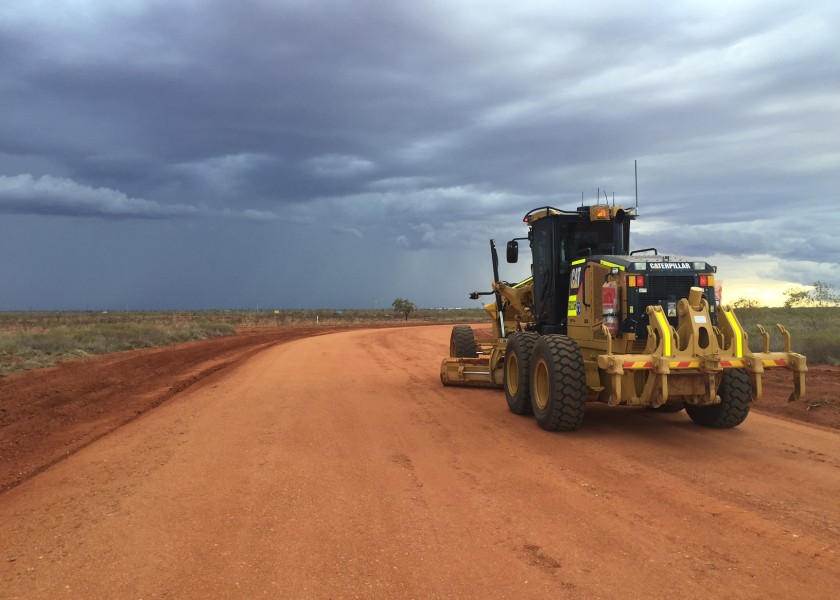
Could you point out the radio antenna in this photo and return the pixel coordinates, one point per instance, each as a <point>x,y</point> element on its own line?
<point>636,172</point>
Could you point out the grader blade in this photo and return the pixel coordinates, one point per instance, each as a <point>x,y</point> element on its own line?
<point>466,372</point>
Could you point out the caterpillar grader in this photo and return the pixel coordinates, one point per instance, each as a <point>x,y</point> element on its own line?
<point>597,323</point>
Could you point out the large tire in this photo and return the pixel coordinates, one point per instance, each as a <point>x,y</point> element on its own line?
<point>558,383</point>
<point>517,370</point>
<point>462,342</point>
<point>735,391</point>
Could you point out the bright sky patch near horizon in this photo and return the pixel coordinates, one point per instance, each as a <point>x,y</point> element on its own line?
<point>288,154</point>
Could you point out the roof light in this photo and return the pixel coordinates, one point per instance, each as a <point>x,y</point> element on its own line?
<point>599,213</point>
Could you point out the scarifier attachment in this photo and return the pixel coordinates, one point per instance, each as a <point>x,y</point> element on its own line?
<point>756,362</point>
<point>689,361</point>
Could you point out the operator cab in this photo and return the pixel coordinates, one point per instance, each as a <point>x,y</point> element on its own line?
<point>558,238</point>
<point>591,242</point>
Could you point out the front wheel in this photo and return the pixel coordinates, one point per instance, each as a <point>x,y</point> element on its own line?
<point>462,342</point>
<point>517,371</point>
<point>558,383</point>
<point>734,391</point>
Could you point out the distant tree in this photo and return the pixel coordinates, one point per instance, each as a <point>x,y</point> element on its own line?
<point>821,295</point>
<point>403,306</point>
<point>820,298</point>
<point>744,302</point>
<point>797,297</point>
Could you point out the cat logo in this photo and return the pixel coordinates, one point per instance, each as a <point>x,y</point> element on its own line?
<point>575,280</point>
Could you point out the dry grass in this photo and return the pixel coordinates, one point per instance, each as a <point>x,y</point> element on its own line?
<point>815,332</point>
<point>31,340</point>
<point>39,346</point>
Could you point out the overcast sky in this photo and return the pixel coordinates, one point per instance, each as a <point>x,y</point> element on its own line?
<point>191,154</point>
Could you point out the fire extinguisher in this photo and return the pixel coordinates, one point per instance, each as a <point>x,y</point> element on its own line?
<point>609,300</point>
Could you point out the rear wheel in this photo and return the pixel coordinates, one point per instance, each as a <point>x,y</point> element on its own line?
<point>558,383</point>
<point>735,390</point>
<point>520,347</point>
<point>462,342</point>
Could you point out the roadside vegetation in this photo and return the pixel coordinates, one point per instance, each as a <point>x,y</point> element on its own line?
<point>812,316</point>
<point>814,332</point>
<point>31,340</point>
<point>35,340</point>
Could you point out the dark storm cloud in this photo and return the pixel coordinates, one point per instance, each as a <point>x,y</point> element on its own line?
<point>25,195</point>
<point>428,126</point>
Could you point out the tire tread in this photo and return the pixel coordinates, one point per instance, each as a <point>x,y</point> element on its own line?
<point>735,392</point>
<point>522,343</point>
<point>463,343</point>
<point>566,408</point>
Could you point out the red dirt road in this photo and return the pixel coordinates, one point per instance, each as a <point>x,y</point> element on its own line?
<point>339,467</point>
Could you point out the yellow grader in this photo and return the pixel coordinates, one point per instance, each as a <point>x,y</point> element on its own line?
<point>596,323</point>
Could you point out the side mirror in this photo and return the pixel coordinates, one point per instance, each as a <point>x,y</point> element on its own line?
<point>512,251</point>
